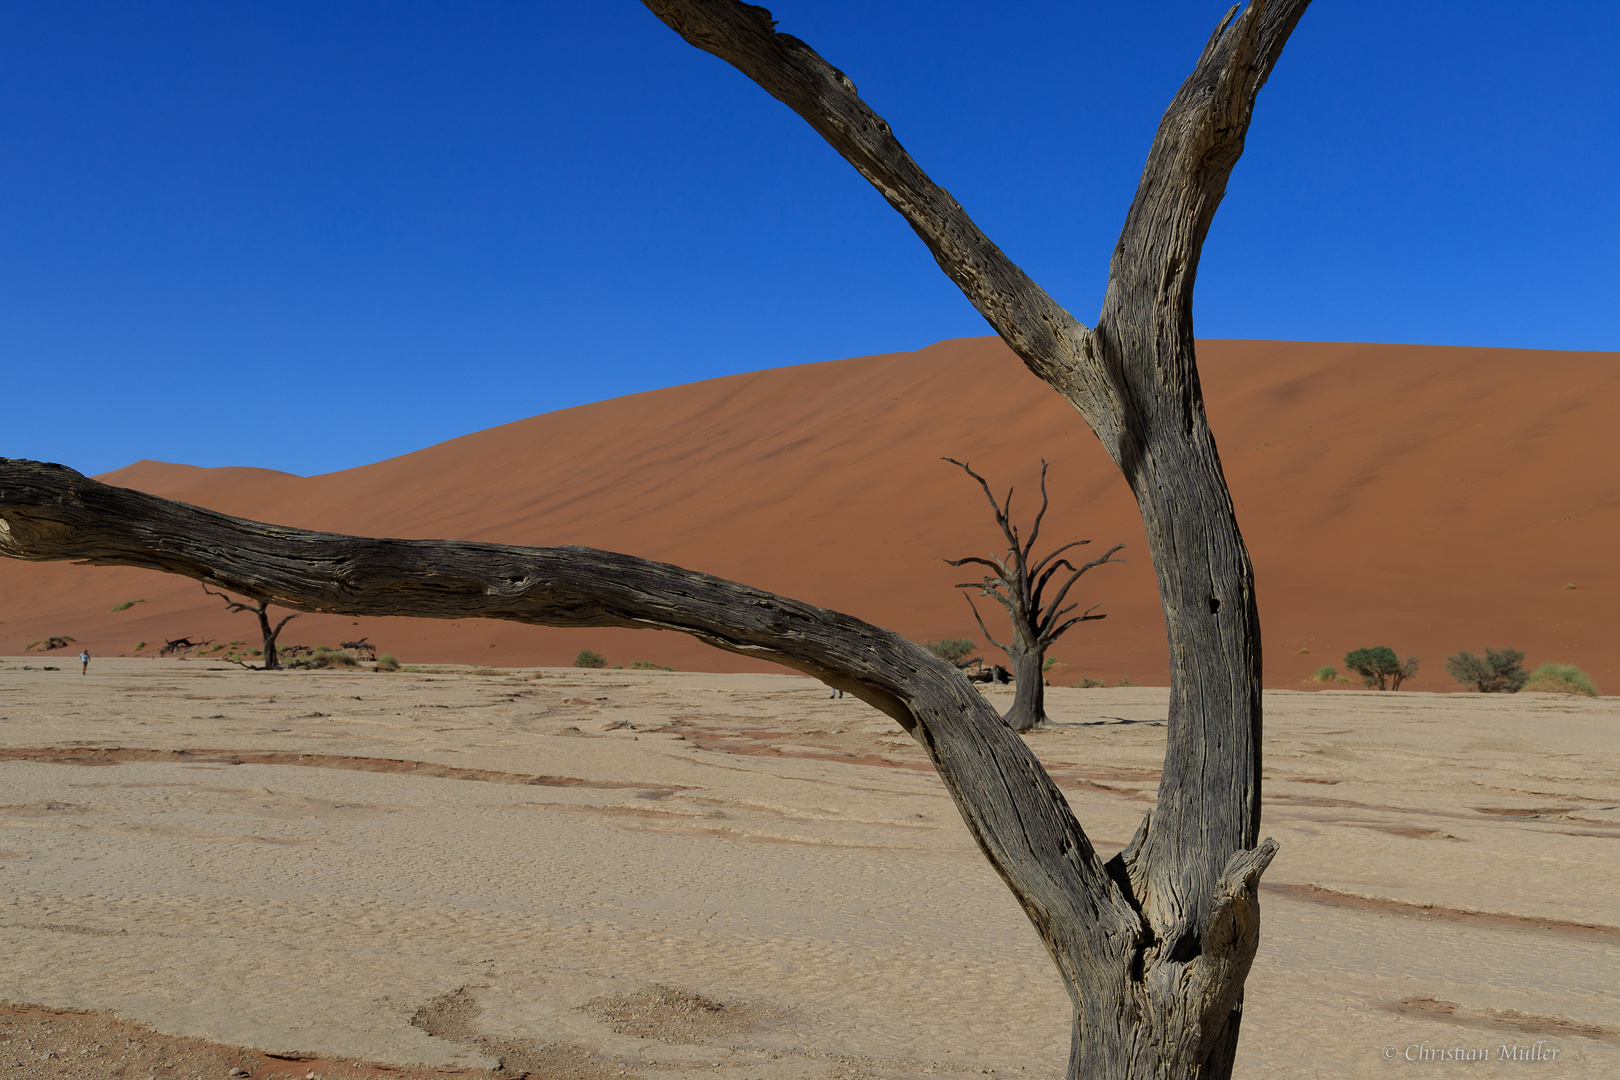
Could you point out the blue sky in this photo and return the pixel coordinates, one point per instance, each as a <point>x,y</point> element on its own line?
<point>313,235</point>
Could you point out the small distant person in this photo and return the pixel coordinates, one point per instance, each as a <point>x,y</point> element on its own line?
<point>835,693</point>
<point>84,662</point>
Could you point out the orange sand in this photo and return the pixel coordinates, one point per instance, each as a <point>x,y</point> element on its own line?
<point>1431,499</point>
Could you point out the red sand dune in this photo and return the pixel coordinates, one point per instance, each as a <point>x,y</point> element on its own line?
<point>1431,499</point>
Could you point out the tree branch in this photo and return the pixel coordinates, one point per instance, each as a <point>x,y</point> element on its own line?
<point>1107,557</point>
<point>1038,329</point>
<point>230,605</point>
<point>982,628</point>
<point>1035,529</point>
<point>1019,818</point>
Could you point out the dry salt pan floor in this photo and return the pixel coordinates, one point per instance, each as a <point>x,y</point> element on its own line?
<point>593,875</point>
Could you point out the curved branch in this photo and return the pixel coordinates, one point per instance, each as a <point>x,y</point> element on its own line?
<point>232,606</point>
<point>1003,513</point>
<point>1035,529</point>
<point>1086,617</point>
<point>1199,140</point>
<point>1039,566</point>
<point>1039,330</point>
<point>992,562</point>
<point>1019,818</point>
<point>1107,557</point>
<point>984,629</point>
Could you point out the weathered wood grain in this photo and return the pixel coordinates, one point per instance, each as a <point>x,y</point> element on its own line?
<point>1134,378</point>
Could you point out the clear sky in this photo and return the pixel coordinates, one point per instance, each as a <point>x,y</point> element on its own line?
<point>313,235</point>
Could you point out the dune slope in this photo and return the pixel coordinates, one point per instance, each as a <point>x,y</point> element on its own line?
<point>1431,499</point>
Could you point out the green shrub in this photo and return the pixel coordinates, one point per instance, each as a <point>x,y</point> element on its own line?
<point>1126,682</point>
<point>139,645</point>
<point>387,662</point>
<point>324,656</point>
<point>952,649</point>
<point>1327,673</point>
<point>1049,663</point>
<point>589,659</point>
<point>126,605</point>
<point>1559,679</point>
<point>1501,672</point>
<point>648,665</point>
<point>1088,682</point>
<point>1379,668</point>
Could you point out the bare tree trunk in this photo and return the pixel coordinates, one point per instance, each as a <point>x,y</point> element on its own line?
<point>272,659</point>
<point>261,608</point>
<point>1020,585</point>
<point>1028,710</point>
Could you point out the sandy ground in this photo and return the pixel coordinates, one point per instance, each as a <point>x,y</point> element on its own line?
<point>610,874</point>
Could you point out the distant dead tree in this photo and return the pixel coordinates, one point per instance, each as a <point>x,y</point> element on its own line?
<point>181,645</point>
<point>362,648</point>
<point>1019,586</point>
<point>272,662</point>
<point>1153,945</point>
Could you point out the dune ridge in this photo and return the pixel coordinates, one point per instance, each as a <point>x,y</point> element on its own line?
<point>1428,498</point>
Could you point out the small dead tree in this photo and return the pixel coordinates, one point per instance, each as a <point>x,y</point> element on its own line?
<point>272,662</point>
<point>1020,588</point>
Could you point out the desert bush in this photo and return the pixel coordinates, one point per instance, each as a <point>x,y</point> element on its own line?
<point>1049,663</point>
<point>589,659</point>
<point>648,665</point>
<point>1088,682</point>
<point>952,649</point>
<point>324,656</point>
<point>139,645</point>
<point>1379,667</point>
<point>1500,672</point>
<point>126,605</point>
<point>486,671</point>
<point>1126,682</point>
<point>1559,679</point>
<point>387,662</point>
<point>1325,673</point>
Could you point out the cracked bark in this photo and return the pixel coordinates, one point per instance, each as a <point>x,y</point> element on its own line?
<point>1154,945</point>
<point>1134,379</point>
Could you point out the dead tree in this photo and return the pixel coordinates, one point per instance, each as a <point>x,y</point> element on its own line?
<point>272,661</point>
<point>1153,945</point>
<point>1020,588</point>
<point>181,645</point>
<point>365,649</point>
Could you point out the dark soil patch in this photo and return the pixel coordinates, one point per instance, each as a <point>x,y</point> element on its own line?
<point>673,1015</point>
<point>1318,895</point>
<point>449,1017</point>
<point>1499,1019</point>
<point>118,755</point>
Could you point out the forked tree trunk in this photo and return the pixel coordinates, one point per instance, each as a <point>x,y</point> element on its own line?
<point>1155,945</point>
<point>1134,378</point>
<point>272,659</point>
